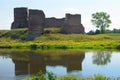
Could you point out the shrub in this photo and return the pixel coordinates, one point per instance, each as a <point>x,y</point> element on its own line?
<point>33,46</point>
<point>99,77</point>
<point>97,31</point>
<point>118,47</point>
<point>69,78</point>
<point>6,46</point>
<point>61,47</point>
<point>39,76</point>
<point>91,32</point>
<point>51,76</point>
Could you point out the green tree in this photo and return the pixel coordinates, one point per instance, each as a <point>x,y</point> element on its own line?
<point>101,20</point>
<point>116,30</point>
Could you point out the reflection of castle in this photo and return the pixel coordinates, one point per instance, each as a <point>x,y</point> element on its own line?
<point>36,62</point>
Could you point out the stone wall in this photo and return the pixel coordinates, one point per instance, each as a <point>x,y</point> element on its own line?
<point>53,22</point>
<point>72,24</point>
<point>20,18</point>
<point>36,22</point>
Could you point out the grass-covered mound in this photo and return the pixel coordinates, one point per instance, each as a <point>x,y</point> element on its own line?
<point>53,39</point>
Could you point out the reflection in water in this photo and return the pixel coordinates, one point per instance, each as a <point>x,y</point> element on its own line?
<point>31,63</point>
<point>101,58</point>
<point>65,62</point>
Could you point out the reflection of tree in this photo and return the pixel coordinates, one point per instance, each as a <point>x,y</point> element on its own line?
<point>101,58</point>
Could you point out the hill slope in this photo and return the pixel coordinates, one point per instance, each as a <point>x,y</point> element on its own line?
<point>54,39</point>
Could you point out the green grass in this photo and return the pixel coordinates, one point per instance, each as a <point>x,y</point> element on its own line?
<point>97,77</point>
<point>16,39</point>
<point>51,76</point>
<point>52,30</point>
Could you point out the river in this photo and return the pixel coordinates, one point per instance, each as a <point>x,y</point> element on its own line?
<point>17,65</point>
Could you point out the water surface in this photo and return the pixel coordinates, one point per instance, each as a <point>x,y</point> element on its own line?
<point>21,64</point>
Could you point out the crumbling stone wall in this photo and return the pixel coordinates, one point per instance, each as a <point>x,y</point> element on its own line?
<point>20,18</point>
<point>72,24</point>
<point>53,22</point>
<point>36,22</point>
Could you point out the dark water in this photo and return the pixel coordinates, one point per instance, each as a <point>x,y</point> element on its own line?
<point>16,65</point>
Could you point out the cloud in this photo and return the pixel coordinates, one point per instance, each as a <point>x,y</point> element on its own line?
<point>71,10</point>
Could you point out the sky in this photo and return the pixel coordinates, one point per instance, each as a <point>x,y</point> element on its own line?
<point>58,9</point>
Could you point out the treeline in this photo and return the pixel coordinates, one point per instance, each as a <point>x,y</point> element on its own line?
<point>106,31</point>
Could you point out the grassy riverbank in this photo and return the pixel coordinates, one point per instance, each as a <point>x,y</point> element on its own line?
<point>16,39</point>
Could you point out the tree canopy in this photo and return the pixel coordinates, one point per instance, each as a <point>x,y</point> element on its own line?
<point>101,20</point>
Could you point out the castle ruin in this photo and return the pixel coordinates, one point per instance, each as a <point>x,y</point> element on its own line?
<point>72,24</point>
<point>36,21</point>
<point>20,18</point>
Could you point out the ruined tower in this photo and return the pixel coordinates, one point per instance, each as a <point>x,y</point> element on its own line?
<point>36,22</point>
<point>20,18</point>
<point>72,24</point>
